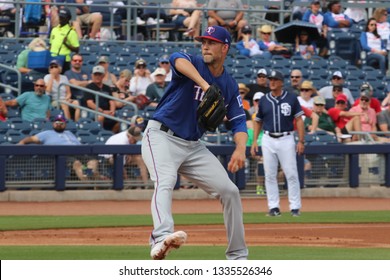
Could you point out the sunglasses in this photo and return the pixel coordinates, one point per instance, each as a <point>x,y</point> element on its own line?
<point>266,33</point>
<point>340,102</point>
<point>319,104</point>
<point>295,77</point>
<point>305,89</point>
<point>164,62</point>
<point>53,66</point>
<point>365,100</point>
<point>247,32</point>
<point>336,78</point>
<point>37,85</point>
<point>77,60</point>
<point>242,92</point>
<point>261,76</point>
<point>59,122</point>
<point>337,90</point>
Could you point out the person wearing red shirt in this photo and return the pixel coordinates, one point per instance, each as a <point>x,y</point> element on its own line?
<point>345,120</point>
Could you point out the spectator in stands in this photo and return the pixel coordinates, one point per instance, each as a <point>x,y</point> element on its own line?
<point>260,85</point>
<point>374,102</point>
<point>295,82</point>
<point>78,77</point>
<point>315,16</point>
<point>299,11</point>
<point>138,121</point>
<point>368,117</point>
<point>33,104</point>
<point>337,79</point>
<point>122,90</point>
<point>274,17</point>
<point>386,101</point>
<point>334,18</point>
<point>307,91</point>
<point>355,13</point>
<point>8,10</point>
<point>36,45</point>
<point>375,47</point>
<point>308,113</point>
<point>109,78</point>
<point>141,79</point>
<point>266,44</point>
<point>325,122</point>
<point>253,110</point>
<point>57,92</point>
<point>232,20</point>
<point>64,39</point>
<point>3,110</point>
<point>243,90</point>
<point>87,18</point>
<point>60,136</point>
<point>383,119</point>
<point>106,105</point>
<point>382,25</point>
<point>248,46</point>
<point>156,90</point>
<point>331,102</point>
<point>131,136</point>
<point>303,46</point>
<point>345,120</point>
<point>164,63</point>
<point>184,13</point>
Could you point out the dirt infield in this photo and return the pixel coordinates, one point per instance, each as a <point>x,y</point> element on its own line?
<point>332,235</point>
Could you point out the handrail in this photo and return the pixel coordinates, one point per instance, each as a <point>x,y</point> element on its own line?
<point>19,88</point>
<point>97,94</point>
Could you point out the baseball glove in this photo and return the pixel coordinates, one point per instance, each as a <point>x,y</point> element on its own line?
<point>211,110</point>
<point>142,101</point>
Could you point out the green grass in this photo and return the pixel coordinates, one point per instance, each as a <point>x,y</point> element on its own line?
<point>188,253</point>
<point>50,222</point>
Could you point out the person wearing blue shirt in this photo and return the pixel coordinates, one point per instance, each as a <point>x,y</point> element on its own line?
<point>60,136</point>
<point>33,104</point>
<point>248,46</point>
<point>171,144</point>
<point>334,18</point>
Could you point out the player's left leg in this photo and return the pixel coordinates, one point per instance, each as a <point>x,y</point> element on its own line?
<point>287,158</point>
<point>205,170</point>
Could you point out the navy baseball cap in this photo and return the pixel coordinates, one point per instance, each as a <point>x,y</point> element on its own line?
<point>216,33</point>
<point>276,75</point>
<point>64,12</point>
<point>164,58</point>
<point>54,61</point>
<point>59,118</point>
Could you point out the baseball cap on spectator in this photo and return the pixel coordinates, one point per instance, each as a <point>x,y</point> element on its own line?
<point>319,100</point>
<point>216,33</point>
<point>164,58</point>
<point>367,88</point>
<point>135,132</point>
<point>243,87</point>
<point>64,12</point>
<point>341,97</point>
<point>315,2</point>
<point>337,74</point>
<point>246,29</point>
<point>365,93</point>
<point>54,61</point>
<point>276,75</point>
<point>98,69</point>
<point>258,95</point>
<point>59,118</point>
<point>103,59</point>
<point>159,71</point>
<point>266,28</point>
<point>140,62</point>
<point>138,121</point>
<point>262,71</point>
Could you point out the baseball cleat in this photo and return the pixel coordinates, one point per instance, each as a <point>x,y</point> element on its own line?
<point>274,212</point>
<point>172,241</point>
<point>295,213</point>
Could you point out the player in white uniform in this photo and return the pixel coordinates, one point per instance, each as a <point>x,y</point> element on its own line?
<point>277,111</point>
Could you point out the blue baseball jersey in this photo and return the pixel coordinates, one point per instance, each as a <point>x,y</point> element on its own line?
<point>177,108</point>
<point>278,113</point>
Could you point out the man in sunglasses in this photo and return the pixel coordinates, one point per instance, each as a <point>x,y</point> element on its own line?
<point>248,46</point>
<point>337,80</point>
<point>60,136</point>
<point>78,76</point>
<point>164,63</point>
<point>33,104</point>
<point>374,102</point>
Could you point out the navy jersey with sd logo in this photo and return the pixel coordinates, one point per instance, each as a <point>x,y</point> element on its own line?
<point>278,113</point>
<point>177,108</point>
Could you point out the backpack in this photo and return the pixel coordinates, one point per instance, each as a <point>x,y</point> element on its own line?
<point>32,13</point>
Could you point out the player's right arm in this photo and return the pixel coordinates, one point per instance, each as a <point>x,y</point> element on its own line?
<point>186,68</point>
<point>257,125</point>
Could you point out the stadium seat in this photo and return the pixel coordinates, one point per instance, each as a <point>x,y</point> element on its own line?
<point>103,135</point>
<point>14,136</point>
<point>93,127</point>
<point>85,137</point>
<point>20,125</point>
